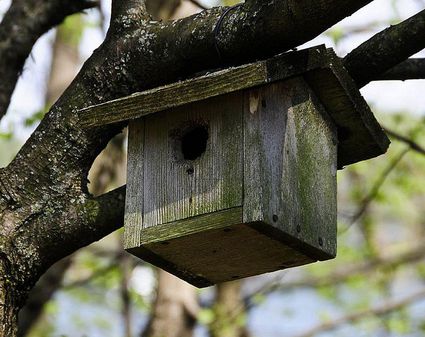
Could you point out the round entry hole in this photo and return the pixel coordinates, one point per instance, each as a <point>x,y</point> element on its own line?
<point>194,142</point>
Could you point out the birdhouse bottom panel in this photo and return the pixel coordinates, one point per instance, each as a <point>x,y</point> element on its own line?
<point>206,251</point>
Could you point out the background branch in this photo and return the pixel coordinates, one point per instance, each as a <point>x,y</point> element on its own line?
<point>412,144</point>
<point>386,49</point>
<point>411,69</point>
<point>376,187</point>
<point>198,4</point>
<point>376,311</point>
<point>22,25</point>
<point>341,274</point>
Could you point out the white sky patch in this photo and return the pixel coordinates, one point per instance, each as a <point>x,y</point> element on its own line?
<point>143,281</point>
<point>28,96</point>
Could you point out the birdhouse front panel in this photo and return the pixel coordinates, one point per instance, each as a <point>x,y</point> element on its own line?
<point>193,160</point>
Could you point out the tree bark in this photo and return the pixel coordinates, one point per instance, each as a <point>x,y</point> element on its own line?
<point>9,301</point>
<point>64,67</point>
<point>411,69</point>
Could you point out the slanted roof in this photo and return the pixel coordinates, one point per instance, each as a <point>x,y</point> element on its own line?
<point>359,134</point>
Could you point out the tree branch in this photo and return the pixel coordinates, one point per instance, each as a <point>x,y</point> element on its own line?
<point>375,188</point>
<point>413,145</point>
<point>386,49</point>
<point>102,215</point>
<point>22,25</point>
<point>342,274</point>
<point>279,26</point>
<point>411,69</point>
<point>381,310</point>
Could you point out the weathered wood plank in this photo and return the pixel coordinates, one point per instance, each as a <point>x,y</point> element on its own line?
<point>290,164</point>
<point>360,135</point>
<point>133,218</point>
<point>203,87</point>
<point>217,247</point>
<point>193,225</point>
<point>174,95</point>
<point>153,239</point>
<point>176,187</point>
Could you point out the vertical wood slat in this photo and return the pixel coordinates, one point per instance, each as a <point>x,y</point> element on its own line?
<point>170,192</point>
<point>133,218</point>
<point>290,164</point>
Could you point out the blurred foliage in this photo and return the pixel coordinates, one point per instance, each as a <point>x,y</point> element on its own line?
<point>230,2</point>
<point>9,146</point>
<point>35,118</point>
<point>72,29</point>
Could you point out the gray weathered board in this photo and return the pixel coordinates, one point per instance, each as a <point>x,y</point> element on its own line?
<point>262,196</point>
<point>360,136</point>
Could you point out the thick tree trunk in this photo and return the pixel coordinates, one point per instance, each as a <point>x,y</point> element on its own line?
<point>64,67</point>
<point>9,302</point>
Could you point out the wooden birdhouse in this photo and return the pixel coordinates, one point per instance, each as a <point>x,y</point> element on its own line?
<point>233,173</point>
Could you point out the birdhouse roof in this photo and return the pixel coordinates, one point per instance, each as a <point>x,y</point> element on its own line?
<point>360,136</point>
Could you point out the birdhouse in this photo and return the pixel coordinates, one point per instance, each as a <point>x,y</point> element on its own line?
<point>233,173</point>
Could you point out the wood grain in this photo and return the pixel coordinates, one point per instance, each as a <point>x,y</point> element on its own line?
<point>175,188</point>
<point>290,164</point>
<point>133,217</point>
<point>360,135</point>
<point>215,248</point>
<point>208,85</point>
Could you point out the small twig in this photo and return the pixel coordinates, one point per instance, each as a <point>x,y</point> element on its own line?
<point>377,311</point>
<point>341,274</point>
<point>126,269</point>
<point>375,189</point>
<point>413,145</point>
<point>411,69</point>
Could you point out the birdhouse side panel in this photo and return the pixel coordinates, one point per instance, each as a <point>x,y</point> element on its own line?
<point>133,218</point>
<point>290,166</point>
<point>193,160</point>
